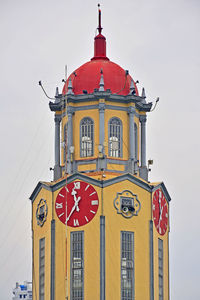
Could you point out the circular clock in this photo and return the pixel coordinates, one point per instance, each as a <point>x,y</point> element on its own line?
<point>160,212</point>
<point>82,203</point>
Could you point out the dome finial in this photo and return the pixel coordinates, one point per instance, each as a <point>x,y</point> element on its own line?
<point>99,42</point>
<point>99,27</point>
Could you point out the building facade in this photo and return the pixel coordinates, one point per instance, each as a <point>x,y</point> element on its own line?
<point>100,228</point>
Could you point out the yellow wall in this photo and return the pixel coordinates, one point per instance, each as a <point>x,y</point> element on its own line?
<point>115,223</point>
<point>94,114</point>
<point>38,233</point>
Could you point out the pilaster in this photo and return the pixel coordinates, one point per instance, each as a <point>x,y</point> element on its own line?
<point>101,160</point>
<point>143,167</point>
<point>69,139</point>
<point>131,163</point>
<point>57,167</point>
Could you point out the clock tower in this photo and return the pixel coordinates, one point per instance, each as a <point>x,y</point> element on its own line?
<point>100,228</point>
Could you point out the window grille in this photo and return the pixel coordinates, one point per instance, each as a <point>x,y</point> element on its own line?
<point>87,137</point>
<point>77,267</point>
<point>115,137</point>
<point>160,268</point>
<point>41,268</point>
<point>127,265</point>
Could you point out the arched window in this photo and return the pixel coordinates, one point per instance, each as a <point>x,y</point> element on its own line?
<point>136,141</point>
<point>115,137</point>
<point>86,137</point>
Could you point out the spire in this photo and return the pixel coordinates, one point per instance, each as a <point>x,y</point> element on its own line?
<point>57,92</point>
<point>69,88</point>
<point>57,100</point>
<point>101,84</point>
<point>132,88</point>
<point>143,93</point>
<point>99,41</point>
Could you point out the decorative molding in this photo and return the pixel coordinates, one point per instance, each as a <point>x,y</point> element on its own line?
<point>70,110</point>
<point>102,107</point>
<point>100,183</point>
<point>143,118</point>
<point>55,106</point>
<point>96,106</point>
<point>57,118</point>
<point>144,106</point>
<point>131,110</point>
<point>127,210</point>
<point>41,216</point>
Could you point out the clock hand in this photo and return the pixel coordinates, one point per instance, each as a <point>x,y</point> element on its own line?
<point>160,218</point>
<point>75,199</point>
<point>73,208</point>
<point>159,200</point>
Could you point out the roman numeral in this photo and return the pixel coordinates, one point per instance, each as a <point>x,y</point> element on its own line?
<point>76,222</point>
<point>94,202</point>
<point>61,195</point>
<point>59,205</point>
<point>93,212</point>
<point>61,215</point>
<point>87,187</point>
<point>92,193</point>
<point>86,218</point>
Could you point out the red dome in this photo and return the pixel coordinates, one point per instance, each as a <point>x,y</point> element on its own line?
<point>87,77</point>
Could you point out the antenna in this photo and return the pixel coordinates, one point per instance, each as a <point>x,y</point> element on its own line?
<point>65,72</point>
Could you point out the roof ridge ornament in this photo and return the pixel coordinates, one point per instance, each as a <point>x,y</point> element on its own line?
<point>101,84</point>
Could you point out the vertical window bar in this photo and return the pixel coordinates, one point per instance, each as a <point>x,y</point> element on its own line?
<point>115,131</point>
<point>127,265</point>
<point>160,268</point>
<point>87,137</point>
<point>41,268</point>
<point>77,265</point>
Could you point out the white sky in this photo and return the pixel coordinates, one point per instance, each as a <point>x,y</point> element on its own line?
<point>158,42</point>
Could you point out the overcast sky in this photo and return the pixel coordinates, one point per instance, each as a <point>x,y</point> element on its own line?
<point>158,42</point>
